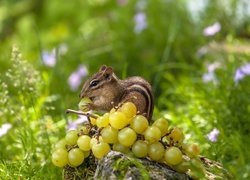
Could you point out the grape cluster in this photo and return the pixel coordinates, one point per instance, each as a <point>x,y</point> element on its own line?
<point>123,130</point>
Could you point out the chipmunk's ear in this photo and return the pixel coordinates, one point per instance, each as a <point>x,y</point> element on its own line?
<point>109,70</point>
<point>103,68</point>
<point>108,73</point>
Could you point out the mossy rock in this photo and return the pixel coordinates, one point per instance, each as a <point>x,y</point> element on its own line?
<point>116,165</point>
<point>119,166</point>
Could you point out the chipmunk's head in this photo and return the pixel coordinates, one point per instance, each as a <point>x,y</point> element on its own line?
<point>99,87</point>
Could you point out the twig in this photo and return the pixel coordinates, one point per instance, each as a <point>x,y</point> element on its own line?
<point>80,113</point>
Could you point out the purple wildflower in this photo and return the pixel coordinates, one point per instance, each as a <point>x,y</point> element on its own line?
<point>210,75</point>
<point>140,22</point>
<point>75,78</point>
<point>212,30</point>
<point>82,70</point>
<point>72,125</point>
<point>5,128</point>
<point>213,135</point>
<point>74,81</point>
<point>49,58</point>
<point>212,67</point>
<point>241,72</point>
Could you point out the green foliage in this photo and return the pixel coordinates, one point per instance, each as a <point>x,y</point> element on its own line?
<point>170,50</point>
<point>28,140</point>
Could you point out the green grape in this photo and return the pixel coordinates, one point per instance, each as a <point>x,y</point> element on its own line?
<point>112,111</point>
<point>71,137</point>
<point>83,142</point>
<point>103,121</point>
<point>83,104</point>
<point>84,130</point>
<point>100,149</point>
<point>93,141</point>
<point>100,139</point>
<point>76,157</point>
<point>162,124</point>
<point>109,135</point>
<point>92,121</point>
<point>140,149</point>
<point>173,155</point>
<point>182,167</point>
<point>197,169</point>
<point>139,124</point>
<point>196,163</point>
<point>156,151</point>
<point>60,157</point>
<point>61,144</point>
<point>86,154</point>
<point>120,148</point>
<point>152,134</point>
<point>176,135</point>
<point>129,109</point>
<point>127,136</point>
<point>118,120</point>
<point>192,150</point>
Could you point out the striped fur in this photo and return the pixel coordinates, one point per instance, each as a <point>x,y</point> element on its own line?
<point>138,84</point>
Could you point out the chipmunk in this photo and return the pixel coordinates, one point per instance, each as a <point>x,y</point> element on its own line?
<point>106,91</point>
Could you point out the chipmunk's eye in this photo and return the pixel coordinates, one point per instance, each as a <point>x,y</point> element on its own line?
<point>94,83</point>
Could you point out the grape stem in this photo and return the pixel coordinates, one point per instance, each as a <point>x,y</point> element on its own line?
<point>80,113</point>
<point>98,133</point>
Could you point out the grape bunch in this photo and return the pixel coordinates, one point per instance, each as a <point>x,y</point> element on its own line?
<point>123,130</point>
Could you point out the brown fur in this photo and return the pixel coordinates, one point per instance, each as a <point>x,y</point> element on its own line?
<point>112,91</point>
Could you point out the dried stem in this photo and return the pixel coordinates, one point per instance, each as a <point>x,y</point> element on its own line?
<point>80,113</point>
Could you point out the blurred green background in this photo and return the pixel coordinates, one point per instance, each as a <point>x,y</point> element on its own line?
<point>195,53</point>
